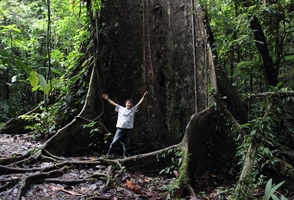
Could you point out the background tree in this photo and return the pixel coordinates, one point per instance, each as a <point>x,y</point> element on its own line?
<point>266,23</point>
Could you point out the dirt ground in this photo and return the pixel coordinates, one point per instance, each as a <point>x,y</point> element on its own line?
<point>88,181</point>
<point>78,181</point>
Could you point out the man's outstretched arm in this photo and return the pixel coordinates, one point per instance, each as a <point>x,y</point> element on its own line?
<point>105,96</point>
<point>142,99</point>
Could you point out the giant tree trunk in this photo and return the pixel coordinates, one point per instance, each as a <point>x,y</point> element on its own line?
<point>158,46</point>
<point>155,46</point>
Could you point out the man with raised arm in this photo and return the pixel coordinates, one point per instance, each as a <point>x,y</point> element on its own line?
<point>125,122</point>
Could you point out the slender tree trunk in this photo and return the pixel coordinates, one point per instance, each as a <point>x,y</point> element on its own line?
<point>240,192</point>
<point>270,69</point>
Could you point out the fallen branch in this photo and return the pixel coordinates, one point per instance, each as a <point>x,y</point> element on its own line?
<point>66,181</point>
<point>52,155</point>
<point>30,159</point>
<point>7,161</point>
<point>151,154</point>
<point>276,93</point>
<point>53,166</point>
<point>50,159</point>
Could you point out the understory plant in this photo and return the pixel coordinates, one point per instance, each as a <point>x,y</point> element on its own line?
<point>41,124</point>
<point>270,189</point>
<point>260,146</point>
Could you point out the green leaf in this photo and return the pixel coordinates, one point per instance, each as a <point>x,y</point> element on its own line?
<point>283,197</point>
<point>274,197</point>
<point>46,89</point>
<point>279,84</point>
<point>9,28</point>
<point>267,191</point>
<point>44,84</point>
<point>277,186</point>
<point>42,80</point>
<point>253,132</point>
<point>35,88</point>
<point>34,80</point>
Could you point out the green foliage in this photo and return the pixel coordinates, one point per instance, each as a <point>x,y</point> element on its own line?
<point>176,160</point>
<point>267,131</point>
<point>179,167</point>
<point>270,189</point>
<point>42,124</point>
<point>235,45</point>
<point>23,54</point>
<point>172,188</point>
<point>4,108</point>
<point>96,134</point>
<point>261,131</point>
<point>38,82</point>
<point>96,5</point>
<point>238,57</point>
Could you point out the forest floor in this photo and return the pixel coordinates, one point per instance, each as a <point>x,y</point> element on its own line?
<point>96,181</point>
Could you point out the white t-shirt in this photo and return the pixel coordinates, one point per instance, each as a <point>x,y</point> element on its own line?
<point>125,117</point>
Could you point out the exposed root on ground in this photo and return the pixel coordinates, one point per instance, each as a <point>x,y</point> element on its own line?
<point>42,167</point>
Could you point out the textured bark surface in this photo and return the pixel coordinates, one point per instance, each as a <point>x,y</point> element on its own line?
<point>210,143</point>
<point>158,46</point>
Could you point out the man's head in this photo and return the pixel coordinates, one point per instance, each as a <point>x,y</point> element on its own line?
<point>129,103</point>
